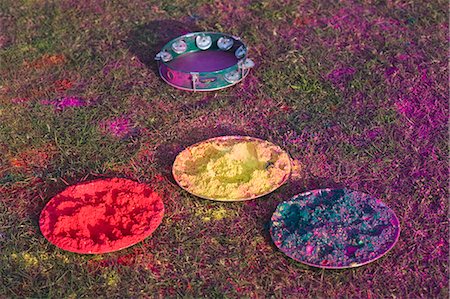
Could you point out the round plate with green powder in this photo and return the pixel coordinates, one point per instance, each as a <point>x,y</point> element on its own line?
<point>232,168</point>
<point>334,228</point>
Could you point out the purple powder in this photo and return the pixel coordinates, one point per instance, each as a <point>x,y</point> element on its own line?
<point>341,75</point>
<point>120,127</point>
<point>65,102</point>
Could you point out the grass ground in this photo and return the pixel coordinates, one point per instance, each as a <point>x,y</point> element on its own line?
<point>356,91</point>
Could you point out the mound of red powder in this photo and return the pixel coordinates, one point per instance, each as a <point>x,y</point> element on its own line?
<point>101,216</point>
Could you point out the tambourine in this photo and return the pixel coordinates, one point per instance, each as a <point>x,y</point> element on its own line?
<point>204,61</point>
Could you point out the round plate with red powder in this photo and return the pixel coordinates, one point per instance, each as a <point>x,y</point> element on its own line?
<point>334,228</point>
<point>101,216</point>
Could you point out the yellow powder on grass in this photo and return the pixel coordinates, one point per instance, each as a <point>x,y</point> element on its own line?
<point>217,214</point>
<point>26,259</point>
<point>111,278</point>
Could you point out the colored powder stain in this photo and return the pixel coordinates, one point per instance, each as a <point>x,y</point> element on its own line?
<point>46,61</point>
<point>19,100</point>
<point>341,76</point>
<point>65,102</point>
<point>26,259</point>
<point>101,216</point>
<point>231,169</point>
<point>33,158</point>
<point>260,244</point>
<point>4,41</point>
<point>43,256</point>
<point>62,85</point>
<point>119,127</point>
<point>297,169</point>
<point>64,259</point>
<point>216,214</point>
<point>202,212</point>
<point>112,278</point>
<point>219,214</point>
<point>18,163</point>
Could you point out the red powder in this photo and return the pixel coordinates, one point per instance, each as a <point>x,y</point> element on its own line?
<point>101,216</point>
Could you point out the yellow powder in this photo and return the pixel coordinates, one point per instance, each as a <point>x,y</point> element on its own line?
<point>218,214</point>
<point>26,259</point>
<point>63,258</point>
<point>232,169</point>
<point>112,278</point>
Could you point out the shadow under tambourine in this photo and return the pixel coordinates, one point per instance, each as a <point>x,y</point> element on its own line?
<point>146,40</point>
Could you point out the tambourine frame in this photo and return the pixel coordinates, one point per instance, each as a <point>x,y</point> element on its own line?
<point>203,80</point>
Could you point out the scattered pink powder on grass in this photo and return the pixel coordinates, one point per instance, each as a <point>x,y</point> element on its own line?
<point>374,133</point>
<point>4,41</point>
<point>391,71</point>
<point>20,100</point>
<point>341,75</point>
<point>120,127</point>
<point>65,102</point>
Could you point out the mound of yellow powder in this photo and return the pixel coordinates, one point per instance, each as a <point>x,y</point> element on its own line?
<point>232,168</point>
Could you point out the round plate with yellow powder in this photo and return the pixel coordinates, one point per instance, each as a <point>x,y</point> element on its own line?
<point>232,168</point>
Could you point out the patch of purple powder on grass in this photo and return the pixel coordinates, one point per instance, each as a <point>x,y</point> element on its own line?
<point>121,127</point>
<point>340,76</point>
<point>65,102</point>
